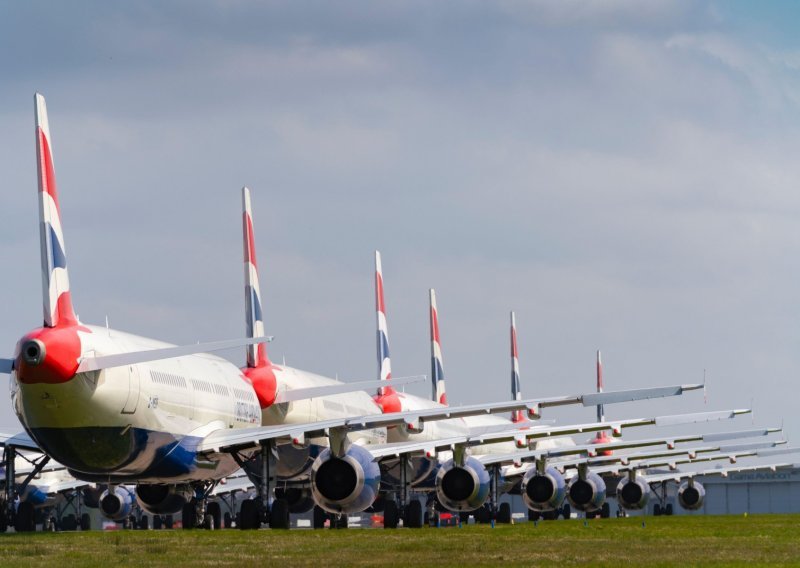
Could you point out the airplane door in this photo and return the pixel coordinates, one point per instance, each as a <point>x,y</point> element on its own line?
<point>133,391</point>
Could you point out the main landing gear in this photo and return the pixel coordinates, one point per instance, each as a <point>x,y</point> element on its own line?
<point>21,517</point>
<point>264,509</point>
<point>410,510</point>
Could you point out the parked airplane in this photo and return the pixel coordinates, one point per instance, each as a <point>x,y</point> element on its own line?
<point>173,421</point>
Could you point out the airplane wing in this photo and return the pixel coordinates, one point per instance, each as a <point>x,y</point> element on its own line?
<point>723,471</point>
<point>650,459</point>
<point>524,434</point>
<point>592,450</point>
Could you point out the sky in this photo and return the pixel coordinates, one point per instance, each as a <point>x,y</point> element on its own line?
<point>621,174</point>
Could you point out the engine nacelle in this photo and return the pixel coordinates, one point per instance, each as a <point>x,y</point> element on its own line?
<point>587,494</point>
<point>633,494</point>
<point>345,485</point>
<point>543,492</point>
<point>462,488</point>
<point>163,499</point>
<point>691,495</point>
<point>116,505</point>
<point>300,499</point>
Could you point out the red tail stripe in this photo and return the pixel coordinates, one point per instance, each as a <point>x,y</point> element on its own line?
<point>250,252</point>
<point>47,174</point>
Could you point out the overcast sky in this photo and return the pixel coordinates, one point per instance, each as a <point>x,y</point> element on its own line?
<point>623,174</point>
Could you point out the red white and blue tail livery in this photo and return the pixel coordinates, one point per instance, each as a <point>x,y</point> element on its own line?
<point>437,368</point>
<point>256,354</point>
<point>57,302</point>
<point>384,360</point>
<point>516,393</point>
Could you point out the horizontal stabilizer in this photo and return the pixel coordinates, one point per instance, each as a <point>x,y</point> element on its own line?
<point>22,441</point>
<point>329,390</point>
<point>6,365</point>
<point>611,397</point>
<point>135,357</point>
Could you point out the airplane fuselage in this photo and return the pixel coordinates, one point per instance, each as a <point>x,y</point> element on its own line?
<point>143,422</point>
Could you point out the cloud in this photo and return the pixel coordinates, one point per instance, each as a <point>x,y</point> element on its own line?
<point>622,175</point>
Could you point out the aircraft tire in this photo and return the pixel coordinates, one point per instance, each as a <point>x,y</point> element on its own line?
<point>414,514</point>
<point>391,515</point>
<point>319,517</point>
<point>566,512</point>
<point>504,514</point>
<point>227,520</point>
<point>605,511</point>
<point>189,515</point>
<point>169,522</point>
<point>215,511</point>
<point>668,509</point>
<point>534,515</point>
<point>69,523</point>
<point>279,514</point>
<point>157,523</point>
<point>248,515</point>
<point>144,523</point>
<point>25,521</point>
<point>86,522</point>
<point>657,510</point>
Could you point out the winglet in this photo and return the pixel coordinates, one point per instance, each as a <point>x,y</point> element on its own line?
<point>516,392</point>
<point>57,301</point>
<point>384,360</point>
<point>256,353</point>
<point>437,367</point>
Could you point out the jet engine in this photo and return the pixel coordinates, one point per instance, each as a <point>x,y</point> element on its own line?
<point>691,495</point>
<point>300,499</point>
<point>633,494</point>
<point>117,504</point>
<point>543,492</point>
<point>163,499</point>
<point>587,494</point>
<point>345,485</point>
<point>462,488</point>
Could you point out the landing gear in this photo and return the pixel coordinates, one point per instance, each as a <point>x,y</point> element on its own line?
<point>265,509</point>
<point>12,490</point>
<point>279,514</point>
<point>215,512</point>
<point>25,521</point>
<point>189,515</point>
<point>504,514</point>
<point>494,494</point>
<point>319,517</point>
<point>605,511</point>
<point>566,512</point>
<point>413,515</point>
<point>391,514</point>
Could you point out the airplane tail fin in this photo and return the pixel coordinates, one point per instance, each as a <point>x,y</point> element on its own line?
<point>256,354</point>
<point>437,368</point>
<point>384,360</point>
<point>516,393</point>
<point>57,301</point>
<point>600,409</point>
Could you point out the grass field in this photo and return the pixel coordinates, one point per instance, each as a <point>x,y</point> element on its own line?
<point>707,540</point>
